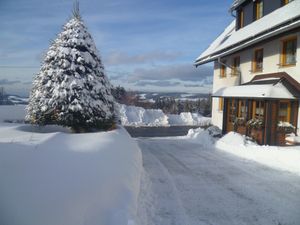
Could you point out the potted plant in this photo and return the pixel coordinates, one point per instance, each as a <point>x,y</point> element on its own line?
<point>256,129</point>
<point>283,128</point>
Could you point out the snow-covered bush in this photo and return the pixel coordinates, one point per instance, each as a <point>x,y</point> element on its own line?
<point>285,127</point>
<point>255,123</point>
<point>71,88</point>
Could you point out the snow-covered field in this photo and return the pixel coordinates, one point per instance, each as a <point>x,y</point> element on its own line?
<point>137,116</point>
<point>50,176</point>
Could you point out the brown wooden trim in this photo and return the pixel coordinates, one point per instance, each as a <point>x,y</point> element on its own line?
<point>280,75</point>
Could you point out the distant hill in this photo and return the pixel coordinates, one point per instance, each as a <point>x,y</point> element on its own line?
<point>152,96</point>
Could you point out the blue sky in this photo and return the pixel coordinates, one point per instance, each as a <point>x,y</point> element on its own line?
<point>144,45</point>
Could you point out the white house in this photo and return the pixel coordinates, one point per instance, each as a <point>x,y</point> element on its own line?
<point>256,59</point>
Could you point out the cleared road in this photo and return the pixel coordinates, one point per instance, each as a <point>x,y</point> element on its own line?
<point>190,184</point>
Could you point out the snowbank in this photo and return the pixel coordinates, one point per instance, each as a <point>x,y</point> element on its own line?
<point>200,136</point>
<point>67,179</point>
<point>138,116</point>
<point>128,115</point>
<point>283,158</point>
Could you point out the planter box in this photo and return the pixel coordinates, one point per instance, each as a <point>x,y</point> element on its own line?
<point>257,135</point>
<point>280,138</point>
<point>241,130</point>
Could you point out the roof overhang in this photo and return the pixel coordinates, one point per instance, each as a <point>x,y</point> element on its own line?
<point>262,91</point>
<point>265,86</point>
<point>247,43</point>
<point>231,41</point>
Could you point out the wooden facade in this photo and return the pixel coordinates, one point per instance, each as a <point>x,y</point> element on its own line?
<point>238,112</point>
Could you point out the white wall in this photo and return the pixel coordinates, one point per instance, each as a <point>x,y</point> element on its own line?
<point>272,50</point>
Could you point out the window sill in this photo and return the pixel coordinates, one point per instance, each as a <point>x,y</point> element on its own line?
<point>286,65</point>
<point>256,71</point>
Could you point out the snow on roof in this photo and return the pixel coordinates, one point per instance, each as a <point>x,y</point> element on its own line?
<point>236,3</point>
<point>231,40</point>
<point>278,91</point>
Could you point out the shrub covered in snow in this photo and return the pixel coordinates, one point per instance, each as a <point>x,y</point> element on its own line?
<point>71,88</point>
<point>255,123</point>
<point>285,127</point>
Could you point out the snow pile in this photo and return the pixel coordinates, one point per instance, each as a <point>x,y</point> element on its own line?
<point>201,136</point>
<point>68,179</point>
<point>138,116</point>
<point>128,115</point>
<point>284,158</point>
<point>187,118</point>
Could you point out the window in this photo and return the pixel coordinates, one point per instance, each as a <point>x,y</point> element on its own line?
<point>231,110</point>
<point>235,69</point>
<point>258,60</point>
<point>258,9</point>
<point>240,19</point>
<point>221,104</point>
<point>284,111</point>
<point>288,53</point>
<point>258,110</point>
<point>243,109</point>
<point>223,69</point>
<point>284,2</point>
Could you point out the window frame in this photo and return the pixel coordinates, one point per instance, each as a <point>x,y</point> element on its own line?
<point>235,67</point>
<point>258,10</point>
<point>242,104</point>
<point>283,55</point>
<point>285,2</point>
<point>241,19</point>
<point>223,69</point>
<point>221,104</point>
<point>288,110</point>
<point>261,104</point>
<point>255,69</point>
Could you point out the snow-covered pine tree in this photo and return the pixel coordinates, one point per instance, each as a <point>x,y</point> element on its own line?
<point>71,88</point>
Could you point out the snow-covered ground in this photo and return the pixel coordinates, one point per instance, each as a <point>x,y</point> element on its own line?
<point>285,158</point>
<point>187,182</point>
<point>137,116</point>
<point>50,176</point>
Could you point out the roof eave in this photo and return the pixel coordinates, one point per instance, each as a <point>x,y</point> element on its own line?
<point>253,40</point>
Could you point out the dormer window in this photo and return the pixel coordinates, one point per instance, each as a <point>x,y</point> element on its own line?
<point>258,9</point>
<point>240,19</point>
<point>284,2</point>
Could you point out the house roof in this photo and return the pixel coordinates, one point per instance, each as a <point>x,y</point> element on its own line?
<point>266,86</point>
<point>265,91</point>
<point>231,40</point>
<point>236,4</point>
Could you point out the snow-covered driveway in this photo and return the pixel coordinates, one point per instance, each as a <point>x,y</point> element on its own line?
<point>188,184</point>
